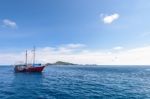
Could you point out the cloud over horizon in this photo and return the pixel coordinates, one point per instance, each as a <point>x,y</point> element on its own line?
<point>108,19</point>
<point>79,55</point>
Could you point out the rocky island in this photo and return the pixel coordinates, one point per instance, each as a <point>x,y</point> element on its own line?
<point>61,63</point>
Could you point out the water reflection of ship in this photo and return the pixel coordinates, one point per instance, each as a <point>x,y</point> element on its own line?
<point>29,67</point>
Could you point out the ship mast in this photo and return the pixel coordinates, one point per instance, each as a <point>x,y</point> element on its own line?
<point>26,60</point>
<point>33,55</point>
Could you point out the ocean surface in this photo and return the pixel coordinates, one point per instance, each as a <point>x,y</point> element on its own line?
<point>77,82</point>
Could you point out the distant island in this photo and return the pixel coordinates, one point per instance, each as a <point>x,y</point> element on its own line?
<point>61,63</point>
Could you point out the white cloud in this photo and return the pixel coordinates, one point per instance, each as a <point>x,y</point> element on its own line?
<point>108,19</point>
<point>136,56</point>
<point>118,48</point>
<point>74,45</point>
<point>69,48</point>
<point>9,23</point>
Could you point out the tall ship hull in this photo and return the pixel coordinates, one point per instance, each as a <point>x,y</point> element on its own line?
<point>28,69</point>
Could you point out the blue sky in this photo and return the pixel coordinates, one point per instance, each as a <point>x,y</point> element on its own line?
<point>55,23</point>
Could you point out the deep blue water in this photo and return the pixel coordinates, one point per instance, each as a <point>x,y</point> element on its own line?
<point>78,82</point>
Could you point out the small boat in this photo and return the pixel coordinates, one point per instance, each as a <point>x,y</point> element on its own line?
<point>29,67</point>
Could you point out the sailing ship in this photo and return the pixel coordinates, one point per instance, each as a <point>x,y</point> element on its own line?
<point>29,67</point>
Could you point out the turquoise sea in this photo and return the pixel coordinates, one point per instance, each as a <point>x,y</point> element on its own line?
<point>77,82</point>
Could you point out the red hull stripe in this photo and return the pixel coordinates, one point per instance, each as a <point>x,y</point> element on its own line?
<point>31,69</point>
